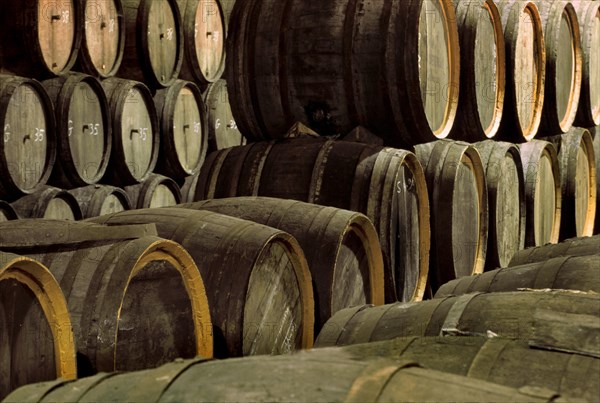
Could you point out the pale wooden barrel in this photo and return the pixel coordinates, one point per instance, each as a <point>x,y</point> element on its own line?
<point>103,39</point>
<point>156,191</point>
<point>135,130</point>
<point>222,128</point>
<point>578,182</point>
<point>589,104</point>
<point>83,130</point>
<point>28,142</point>
<point>50,203</point>
<point>542,192</point>
<point>525,70</point>
<point>97,200</point>
<point>183,127</point>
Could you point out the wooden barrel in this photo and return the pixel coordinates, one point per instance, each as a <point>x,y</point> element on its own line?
<point>135,130</point>
<point>563,65</point>
<point>385,184</point>
<point>222,129</point>
<point>257,279</point>
<point>482,70</point>
<point>459,209</point>
<point>153,42</point>
<point>50,203</point>
<point>83,130</point>
<point>204,34</point>
<point>506,197</point>
<point>578,182</point>
<point>589,103</point>
<point>156,191</point>
<point>188,188</point>
<point>571,247</point>
<point>35,326</point>
<point>183,127</point>
<point>103,39</point>
<point>7,213</point>
<point>579,273</point>
<point>557,320</point>
<point>542,192</point>
<point>28,144</point>
<point>341,247</point>
<point>500,361</point>
<point>40,38</point>
<point>97,200</point>
<point>392,67</point>
<point>525,70</point>
<point>136,301</point>
<point>324,375</point>
<point>596,134</point>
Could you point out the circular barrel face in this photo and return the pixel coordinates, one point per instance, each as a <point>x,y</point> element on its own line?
<point>545,201</point>
<point>210,39</point>
<point>406,234</point>
<point>137,135</point>
<point>351,270</point>
<point>163,196</point>
<point>434,63</point>
<point>187,130</point>
<point>508,208</point>
<point>112,204</point>
<point>465,218</point>
<point>25,141</point>
<point>594,69</point>
<point>565,68</point>
<point>486,69</point>
<point>273,308</point>
<point>162,40</point>
<point>102,34</point>
<point>56,32</point>
<point>59,209</point>
<point>223,131</point>
<point>582,190</point>
<point>526,70</point>
<point>86,132</point>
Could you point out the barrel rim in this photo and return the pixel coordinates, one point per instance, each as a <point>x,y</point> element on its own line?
<point>8,86</point>
<point>38,278</point>
<point>85,59</point>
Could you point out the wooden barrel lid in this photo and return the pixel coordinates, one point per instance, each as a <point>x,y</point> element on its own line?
<point>57,30</point>
<point>222,128</point>
<point>588,13</point>
<point>103,39</point>
<point>28,148</point>
<point>568,63</point>
<point>49,203</point>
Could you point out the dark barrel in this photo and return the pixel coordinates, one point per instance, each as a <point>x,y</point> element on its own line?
<point>156,191</point>
<point>40,38</point>
<point>103,39</point>
<point>506,198</point>
<point>183,127</point>
<point>563,65</point>
<point>222,129</point>
<point>571,247</point>
<point>257,280</point>
<point>482,70</point>
<point>136,301</point>
<point>542,192</point>
<point>578,182</point>
<point>391,66</point>
<point>589,104</point>
<point>153,42</point>
<point>459,209</point>
<point>556,320</point>
<point>579,273</point>
<point>135,130</point>
<point>83,130</point>
<point>341,247</point>
<point>7,213</point>
<point>28,143</point>
<point>204,34</point>
<point>97,200</point>
<point>385,184</point>
<point>35,326</point>
<point>48,202</point>
<point>525,70</point>
<point>324,375</point>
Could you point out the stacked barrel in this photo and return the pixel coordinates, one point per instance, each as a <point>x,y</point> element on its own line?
<point>374,179</point>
